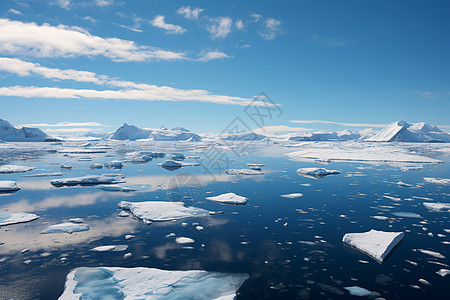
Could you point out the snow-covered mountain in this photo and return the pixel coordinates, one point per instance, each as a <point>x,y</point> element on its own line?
<point>25,134</point>
<point>401,131</point>
<point>131,132</point>
<point>245,136</point>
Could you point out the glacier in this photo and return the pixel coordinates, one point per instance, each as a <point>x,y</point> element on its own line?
<point>150,283</point>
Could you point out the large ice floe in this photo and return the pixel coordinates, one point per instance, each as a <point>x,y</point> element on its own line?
<point>243,172</point>
<point>149,211</point>
<point>376,244</point>
<point>67,227</point>
<point>16,217</point>
<point>7,186</point>
<point>316,172</point>
<point>90,180</point>
<point>150,283</point>
<point>7,169</point>
<point>361,152</point>
<point>437,206</point>
<point>229,198</point>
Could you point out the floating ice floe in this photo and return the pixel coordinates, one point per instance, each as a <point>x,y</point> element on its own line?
<point>116,248</point>
<point>443,181</point>
<point>161,210</point>
<point>359,291</point>
<point>16,217</point>
<point>8,186</point>
<point>113,165</point>
<point>437,206</point>
<point>376,244</point>
<point>406,214</point>
<point>404,184</point>
<point>44,174</point>
<point>443,272</point>
<point>76,220</point>
<point>150,283</point>
<point>68,227</point>
<point>431,253</point>
<point>316,172</point>
<point>66,167</point>
<point>115,188</point>
<point>292,196</point>
<point>90,180</point>
<point>184,240</point>
<point>171,164</point>
<point>251,165</point>
<point>229,198</point>
<point>243,172</point>
<point>7,169</point>
<point>96,166</point>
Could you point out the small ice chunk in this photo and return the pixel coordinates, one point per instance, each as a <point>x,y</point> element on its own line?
<point>199,228</point>
<point>171,164</point>
<point>149,283</point>
<point>161,210</point>
<point>113,165</point>
<point>229,198</point>
<point>292,196</point>
<point>376,244</point>
<point>8,186</point>
<point>110,248</point>
<point>76,220</point>
<point>437,206</point>
<point>316,172</point>
<point>96,166</point>
<point>27,262</point>
<point>359,291</point>
<point>66,167</point>
<point>123,214</point>
<point>404,184</point>
<point>16,217</point>
<point>243,172</point>
<point>184,240</point>
<point>184,224</point>
<point>7,169</point>
<point>115,188</point>
<point>443,272</point>
<point>127,255</point>
<point>129,237</point>
<point>89,180</point>
<point>406,214</point>
<point>66,227</point>
<point>431,253</point>
<point>382,218</point>
<point>170,235</point>
<point>443,181</point>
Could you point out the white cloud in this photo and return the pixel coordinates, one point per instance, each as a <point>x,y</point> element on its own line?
<point>62,3</point>
<point>240,25</point>
<point>104,2</point>
<point>14,11</point>
<point>189,13</point>
<point>54,41</point>
<point>338,123</point>
<point>220,27</point>
<point>256,17</point>
<point>66,124</point>
<point>271,29</point>
<point>210,55</point>
<point>130,28</point>
<point>159,22</point>
<point>425,94</point>
<point>90,19</point>
<point>278,128</point>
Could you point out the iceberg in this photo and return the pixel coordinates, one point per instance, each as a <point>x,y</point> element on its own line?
<point>376,244</point>
<point>89,180</point>
<point>243,172</point>
<point>132,133</point>
<point>150,283</point>
<point>7,169</point>
<point>68,227</point>
<point>437,206</point>
<point>16,217</point>
<point>443,181</point>
<point>229,198</point>
<point>316,172</point>
<point>161,210</point>
<point>25,134</point>
<point>7,186</point>
<point>443,272</point>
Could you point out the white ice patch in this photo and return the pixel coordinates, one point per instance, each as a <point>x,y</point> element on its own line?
<point>431,253</point>
<point>376,244</point>
<point>16,217</point>
<point>316,172</point>
<point>443,181</point>
<point>110,248</point>
<point>229,198</point>
<point>359,291</point>
<point>7,169</point>
<point>44,174</point>
<point>8,186</point>
<point>406,214</point>
<point>150,283</point>
<point>184,240</point>
<point>437,206</point>
<point>66,227</point>
<point>115,188</point>
<point>90,180</point>
<point>404,184</point>
<point>443,272</point>
<point>243,172</point>
<point>292,196</point>
<point>161,210</point>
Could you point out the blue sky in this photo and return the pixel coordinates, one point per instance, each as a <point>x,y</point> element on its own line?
<point>198,64</point>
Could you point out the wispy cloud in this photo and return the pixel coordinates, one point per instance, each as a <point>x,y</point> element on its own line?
<point>255,17</point>
<point>327,42</point>
<point>239,25</point>
<point>278,128</point>
<point>425,94</point>
<point>220,27</point>
<point>130,28</point>
<point>189,13</point>
<point>125,90</point>
<point>270,29</point>
<point>338,123</point>
<point>30,39</point>
<point>66,124</point>
<point>104,2</point>
<point>14,11</point>
<point>159,22</point>
<point>62,3</point>
<point>211,55</point>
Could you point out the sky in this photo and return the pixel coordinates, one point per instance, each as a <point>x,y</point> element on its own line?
<point>78,66</point>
